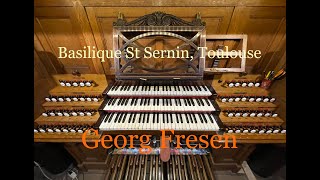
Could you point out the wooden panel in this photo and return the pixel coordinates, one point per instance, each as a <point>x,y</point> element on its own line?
<point>53,2</point>
<point>250,105</point>
<point>72,104</point>
<point>97,90</point>
<point>263,25</point>
<point>101,19</point>
<point>42,84</point>
<point>65,27</point>
<point>179,3</point>
<point>259,138</point>
<point>252,121</point>
<point>63,137</point>
<point>276,51</point>
<point>79,120</point>
<point>278,90</point>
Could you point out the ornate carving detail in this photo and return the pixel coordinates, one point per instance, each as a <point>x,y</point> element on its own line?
<point>158,19</point>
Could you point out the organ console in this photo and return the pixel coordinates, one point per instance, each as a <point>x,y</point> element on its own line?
<point>147,96</point>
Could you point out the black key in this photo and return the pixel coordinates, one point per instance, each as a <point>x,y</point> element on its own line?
<point>177,117</point>
<point>186,102</point>
<point>180,116</point>
<point>188,118</point>
<point>140,117</point>
<point>200,100</point>
<point>147,118</point>
<point>124,117</point>
<point>132,101</point>
<point>197,101</point>
<point>134,118</point>
<point>130,117</point>
<point>193,117</point>
<point>109,101</point>
<point>191,101</point>
<point>114,101</point>
<point>210,118</point>
<point>201,119</point>
<point>208,101</point>
<point>123,102</point>
<point>157,117</point>
<point>117,117</point>
<point>204,118</point>
<point>144,117</point>
<point>119,102</point>
<point>107,117</point>
<point>121,117</point>
<point>145,101</point>
<point>109,120</point>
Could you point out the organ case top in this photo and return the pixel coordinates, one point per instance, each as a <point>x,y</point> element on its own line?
<point>181,59</point>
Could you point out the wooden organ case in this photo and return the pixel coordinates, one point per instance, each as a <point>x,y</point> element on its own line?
<point>164,93</point>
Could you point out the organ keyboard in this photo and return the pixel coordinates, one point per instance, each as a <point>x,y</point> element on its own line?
<point>159,89</point>
<point>160,105</point>
<point>159,121</point>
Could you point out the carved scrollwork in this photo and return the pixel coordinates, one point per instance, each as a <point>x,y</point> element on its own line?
<point>159,19</point>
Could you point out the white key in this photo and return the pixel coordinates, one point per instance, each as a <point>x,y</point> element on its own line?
<point>174,119</point>
<point>139,107</point>
<point>151,124</point>
<point>161,121</point>
<point>211,125</point>
<point>185,124</point>
<point>198,123</point>
<point>215,122</point>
